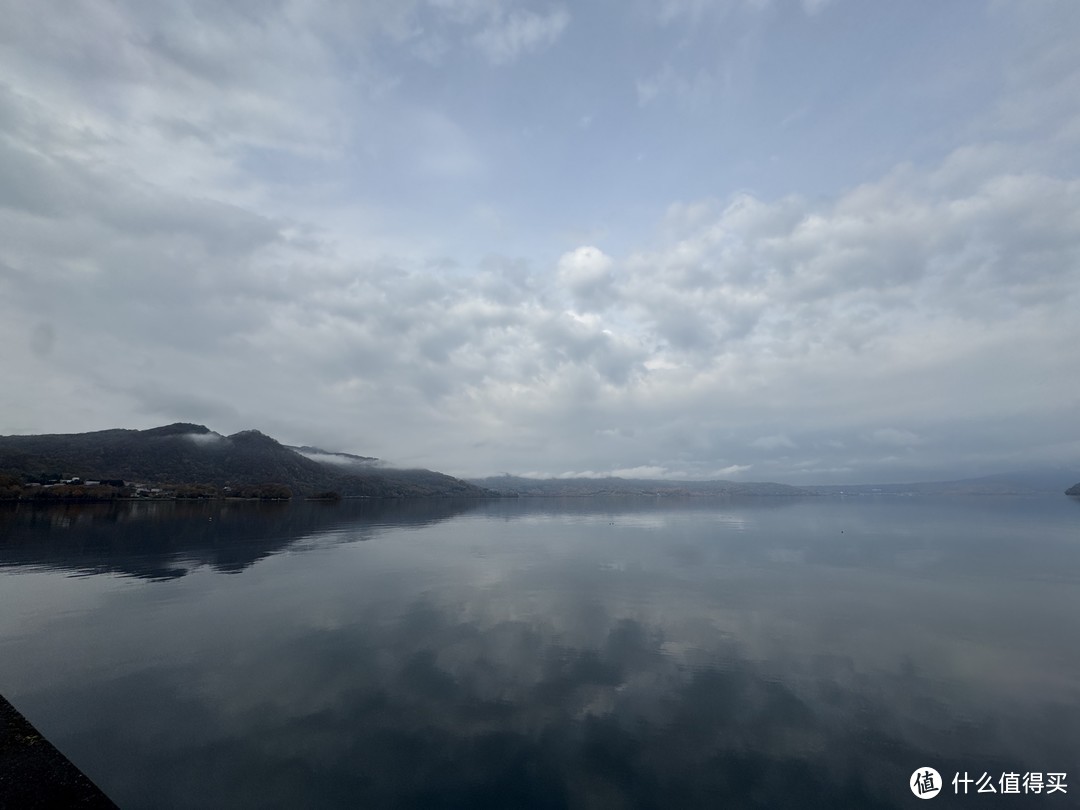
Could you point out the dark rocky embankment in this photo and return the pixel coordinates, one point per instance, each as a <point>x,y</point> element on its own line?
<point>34,774</point>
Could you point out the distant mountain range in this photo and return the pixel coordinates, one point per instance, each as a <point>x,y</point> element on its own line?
<point>584,487</point>
<point>184,453</point>
<point>1029,482</point>
<point>1032,482</point>
<point>189,454</point>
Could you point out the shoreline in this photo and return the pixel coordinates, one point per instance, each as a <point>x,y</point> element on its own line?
<point>35,774</point>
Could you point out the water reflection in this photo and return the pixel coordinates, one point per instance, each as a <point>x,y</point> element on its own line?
<point>165,539</point>
<point>585,655</point>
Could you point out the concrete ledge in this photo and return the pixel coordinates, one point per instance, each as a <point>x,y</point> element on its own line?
<point>33,774</point>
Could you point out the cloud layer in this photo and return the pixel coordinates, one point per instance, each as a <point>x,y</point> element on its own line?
<point>256,219</point>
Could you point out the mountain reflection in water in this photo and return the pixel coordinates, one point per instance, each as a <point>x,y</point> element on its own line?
<point>588,653</point>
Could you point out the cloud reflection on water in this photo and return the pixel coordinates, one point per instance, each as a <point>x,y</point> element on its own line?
<point>492,661</point>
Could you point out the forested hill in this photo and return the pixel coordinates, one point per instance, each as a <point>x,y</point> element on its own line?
<point>1073,490</point>
<point>183,453</point>
<point>582,487</point>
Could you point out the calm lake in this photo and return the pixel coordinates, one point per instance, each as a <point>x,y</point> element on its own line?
<point>660,653</point>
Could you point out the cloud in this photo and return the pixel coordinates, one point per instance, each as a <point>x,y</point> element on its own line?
<point>894,438</point>
<point>520,31</point>
<point>778,441</point>
<point>690,91</point>
<point>338,460</point>
<point>642,471</point>
<point>43,339</point>
<point>586,272</point>
<point>210,438</point>
<point>731,470</point>
<point>812,7</point>
<point>187,236</point>
<point>759,317</point>
<point>694,11</point>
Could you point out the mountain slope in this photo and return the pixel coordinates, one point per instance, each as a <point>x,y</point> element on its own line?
<point>184,453</point>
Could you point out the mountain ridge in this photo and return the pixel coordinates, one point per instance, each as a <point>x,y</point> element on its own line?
<point>1021,483</point>
<point>184,453</point>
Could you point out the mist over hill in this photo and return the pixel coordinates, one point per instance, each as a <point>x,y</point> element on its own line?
<point>333,457</point>
<point>184,453</point>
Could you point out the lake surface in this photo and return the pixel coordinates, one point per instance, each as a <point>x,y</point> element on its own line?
<point>548,653</point>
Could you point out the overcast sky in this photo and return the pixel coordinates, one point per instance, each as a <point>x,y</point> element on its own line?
<point>804,241</point>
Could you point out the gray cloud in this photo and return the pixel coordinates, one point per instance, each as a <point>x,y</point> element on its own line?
<point>43,339</point>
<point>160,263</point>
<point>520,31</point>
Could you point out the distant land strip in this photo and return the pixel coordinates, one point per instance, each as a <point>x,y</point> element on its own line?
<point>189,461</point>
<point>597,487</point>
